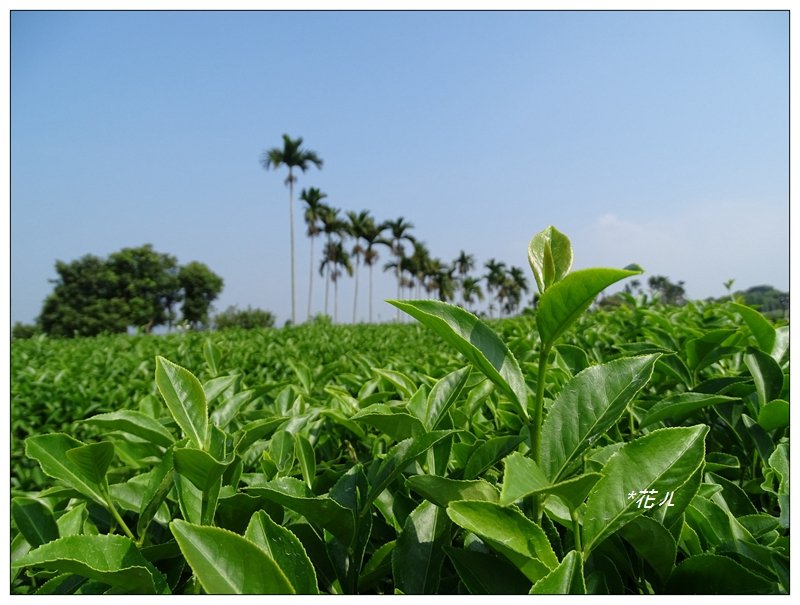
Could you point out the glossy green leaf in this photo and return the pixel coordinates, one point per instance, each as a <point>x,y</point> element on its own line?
<point>442,490</point>
<point>285,549</point>
<point>229,409</point>
<point>550,257</point>
<point>199,467</point>
<point>108,559</point>
<point>92,460</point>
<point>776,479</point>
<point>160,483</point>
<point>714,574</point>
<point>404,384</point>
<point>304,452</point>
<point>681,406</point>
<point>227,563</point>
<point>509,532</point>
<point>320,510</point>
<point>486,574</point>
<point>50,451</point>
<point>767,375</point>
<point>378,567</point>
<point>653,543</point>
<point>562,303</point>
<point>710,347</point>
<point>442,396</point>
<point>185,399</point>
<point>34,520</point>
<point>523,477</point>
<point>567,578</point>
<point>396,460</point>
<point>212,355</point>
<point>135,423</point>
<point>489,453</point>
<point>662,460</point>
<point>476,341</point>
<point>759,325</point>
<point>774,415</point>
<point>418,556</point>
<point>396,423</point>
<point>587,406</point>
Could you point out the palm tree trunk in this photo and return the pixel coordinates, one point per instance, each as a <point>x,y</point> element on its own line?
<point>310,277</point>
<point>370,293</point>
<point>291,240</point>
<point>355,294</point>
<point>335,300</point>
<point>327,277</point>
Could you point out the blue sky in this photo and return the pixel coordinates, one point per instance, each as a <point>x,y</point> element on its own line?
<point>660,138</point>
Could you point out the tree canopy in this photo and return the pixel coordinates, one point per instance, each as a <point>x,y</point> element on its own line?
<point>135,287</point>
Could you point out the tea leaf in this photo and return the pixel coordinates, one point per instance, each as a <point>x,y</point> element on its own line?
<point>109,559</point>
<point>475,340</point>
<point>227,563</point>
<point>135,423</point>
<point>550,257</point>
<point>715,574</point>
<point>34,521</point>
<point>185,399</point>
<point>509,532</point>
<point>567,578</point>
<point>286,550</point>
<point>418,556</point>
<point>662,460</point>
<point>587,406</point>
<point>50,451</point>
<point>441,490</point>
<point>486,574</point>
<point>678,407</point>
<point>562,303</point>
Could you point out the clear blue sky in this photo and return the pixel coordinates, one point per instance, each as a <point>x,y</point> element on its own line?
<point>657,137</point>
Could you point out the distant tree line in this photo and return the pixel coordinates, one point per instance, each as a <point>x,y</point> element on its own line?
<point>134,288</point>
<point>353,239</point>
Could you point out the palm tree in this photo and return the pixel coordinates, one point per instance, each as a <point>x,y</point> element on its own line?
<point>336,256</point>
<point>494,278</point>
<point>420,264</point>
<point>356,228</point>
<point>398,232</point>
<point>515,285</point>
<point>463,264</point>
<point>331,224</point>
<point>372,235</point>
<point>313,215</point>
<point>470,287</point>
<point>292,155</point>
<point>441,279</point>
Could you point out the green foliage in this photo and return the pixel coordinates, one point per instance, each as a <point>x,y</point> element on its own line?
<point>638,450</point>
<point>135,287</point>
<point>245,319</point>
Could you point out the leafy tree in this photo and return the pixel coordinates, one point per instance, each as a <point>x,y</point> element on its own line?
<point>470,290</point>
<point>667,292</point>
<point>135,287</point>
<point>21,331</point>
<point>246,319</point>
<point>200,287</point>
<point>291,155</point>
<point>148,281</point>
<point>87,300</point>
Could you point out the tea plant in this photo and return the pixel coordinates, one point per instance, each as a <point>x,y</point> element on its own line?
<point>642,450</point>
